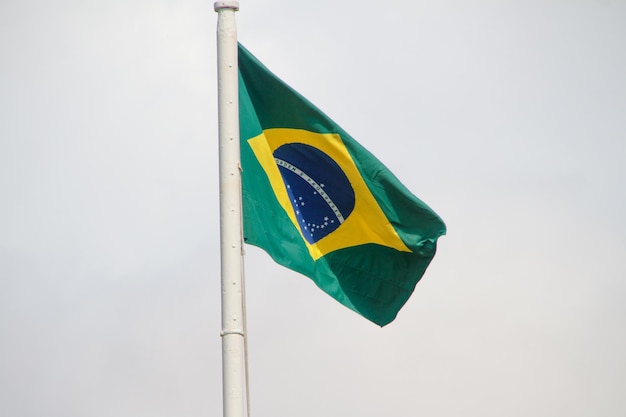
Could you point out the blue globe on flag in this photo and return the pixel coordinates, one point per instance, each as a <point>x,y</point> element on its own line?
<point>319,191</point>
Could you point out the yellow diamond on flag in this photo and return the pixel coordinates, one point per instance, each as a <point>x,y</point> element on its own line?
<point>321,189</point>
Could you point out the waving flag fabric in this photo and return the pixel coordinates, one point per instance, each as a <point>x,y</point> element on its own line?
<point>319,203</point>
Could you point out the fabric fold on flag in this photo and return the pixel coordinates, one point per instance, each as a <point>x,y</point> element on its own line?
<point>322,205</point>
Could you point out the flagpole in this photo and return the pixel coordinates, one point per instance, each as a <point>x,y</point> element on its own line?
<point>230,211</point>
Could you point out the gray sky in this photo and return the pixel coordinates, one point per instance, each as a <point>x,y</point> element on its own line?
<point>507,118</point>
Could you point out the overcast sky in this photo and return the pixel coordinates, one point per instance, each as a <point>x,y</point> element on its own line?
<point>507,118</point>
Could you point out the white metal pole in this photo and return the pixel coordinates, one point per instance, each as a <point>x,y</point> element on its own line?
<point>230,211</point>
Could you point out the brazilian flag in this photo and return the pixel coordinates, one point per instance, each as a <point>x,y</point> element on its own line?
<point>319,203</point>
